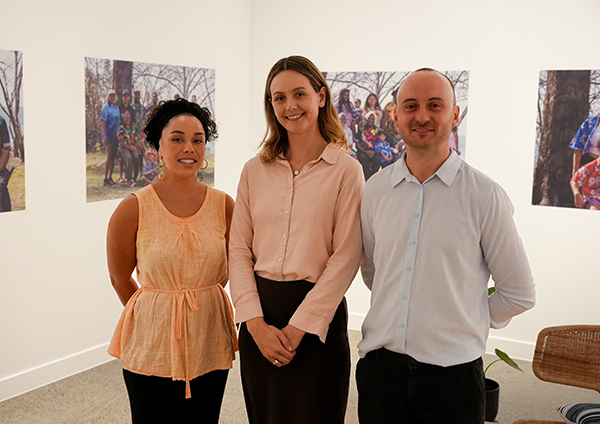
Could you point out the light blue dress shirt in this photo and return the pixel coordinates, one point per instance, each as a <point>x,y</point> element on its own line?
<point>429,250</point>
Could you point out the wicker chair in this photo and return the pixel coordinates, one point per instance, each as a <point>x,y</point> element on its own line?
<point>570,355</point>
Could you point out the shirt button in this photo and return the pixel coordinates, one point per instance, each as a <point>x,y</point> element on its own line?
<point>417,215</point>
<point>401,325</point>
<point>286,212</point>
<point>412,242</point>
<point>404,297</point>
<point>283,235</point>
<point>408,268</point>
<point>278,259</point>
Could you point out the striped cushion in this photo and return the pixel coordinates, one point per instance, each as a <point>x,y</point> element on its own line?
<point>580,413</point>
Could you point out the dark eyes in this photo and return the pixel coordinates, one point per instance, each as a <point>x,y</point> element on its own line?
<point>431,106</point>
<point>181,140</point>
<point>281,98</point>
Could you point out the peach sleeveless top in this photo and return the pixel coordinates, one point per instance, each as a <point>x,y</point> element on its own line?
<point>179,324</point>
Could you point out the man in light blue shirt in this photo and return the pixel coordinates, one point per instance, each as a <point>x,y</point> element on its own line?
<point>434,230</point>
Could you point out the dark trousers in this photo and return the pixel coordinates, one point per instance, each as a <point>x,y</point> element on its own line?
<point>395,388</point>
<point>162,400</point>
<point>370,165</point>
<point>313,387</point>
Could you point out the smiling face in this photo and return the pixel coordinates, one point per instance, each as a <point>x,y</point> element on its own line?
<point>295,102</point>
<point>182,146</point>
<point>127,118</point>
<point>426,111</point>
<point>371,101</point>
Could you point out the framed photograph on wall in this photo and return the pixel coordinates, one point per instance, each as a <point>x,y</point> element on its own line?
<point>567,148</point>
<point>366,105</point>
<point>119,95</point>
<point>12,139</point>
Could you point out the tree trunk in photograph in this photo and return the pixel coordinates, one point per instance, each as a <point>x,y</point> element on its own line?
<point>18,141</point>
<point>123,78</point>
<point>566,106</point>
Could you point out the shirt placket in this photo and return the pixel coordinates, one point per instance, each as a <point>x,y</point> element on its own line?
<point>409,263</point>
<point>286,216</point>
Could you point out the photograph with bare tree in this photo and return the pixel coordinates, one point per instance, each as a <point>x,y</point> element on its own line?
<point>12,151</point>
<point>567,154</point>
<point>119,95</point>
<point>366,105</point>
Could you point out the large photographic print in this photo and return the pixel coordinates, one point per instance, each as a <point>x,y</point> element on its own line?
<point>12,145</point>
<point>119,95</point>
<point>366,105</point>
<point>566,163</point>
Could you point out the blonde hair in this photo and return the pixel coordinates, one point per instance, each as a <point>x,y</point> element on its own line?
<point>275,142</point>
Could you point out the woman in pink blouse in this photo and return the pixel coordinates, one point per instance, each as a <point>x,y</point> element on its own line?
<point>295,248</point>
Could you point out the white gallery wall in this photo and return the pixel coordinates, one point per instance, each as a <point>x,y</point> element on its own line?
<point>57,308</point>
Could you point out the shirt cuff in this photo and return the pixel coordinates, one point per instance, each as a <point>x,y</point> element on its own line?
<point>248,311</point>
<point>310,323</point>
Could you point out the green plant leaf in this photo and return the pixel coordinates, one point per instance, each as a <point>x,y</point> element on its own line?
<point>507,359</point>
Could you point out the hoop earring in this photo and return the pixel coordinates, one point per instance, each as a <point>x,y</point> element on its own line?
<point>202,170</point>
<point>161,168</point>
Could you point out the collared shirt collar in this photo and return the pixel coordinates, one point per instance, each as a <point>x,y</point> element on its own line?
<point>447,172</point>
<point>330,154</point>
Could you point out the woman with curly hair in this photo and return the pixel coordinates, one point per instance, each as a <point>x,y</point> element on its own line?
<point>176,338</point>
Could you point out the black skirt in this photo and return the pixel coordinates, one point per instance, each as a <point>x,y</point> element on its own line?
<point>313,387</point>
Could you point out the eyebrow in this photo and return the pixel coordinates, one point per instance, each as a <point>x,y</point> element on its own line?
<point>295,89</point>
<point>181,132</point>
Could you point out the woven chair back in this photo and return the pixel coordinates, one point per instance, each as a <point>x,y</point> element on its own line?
<point>570,355</point>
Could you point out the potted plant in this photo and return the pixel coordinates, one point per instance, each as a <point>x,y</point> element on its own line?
<point>492,388</point>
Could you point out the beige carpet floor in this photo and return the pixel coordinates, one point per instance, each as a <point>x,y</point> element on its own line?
<point>98,396</point>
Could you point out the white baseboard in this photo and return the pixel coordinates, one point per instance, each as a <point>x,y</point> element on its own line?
<point>355,321</point>
<point>34,378</point>
<point>516,349</point>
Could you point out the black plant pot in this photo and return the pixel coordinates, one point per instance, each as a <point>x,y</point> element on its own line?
<point>492,398</point>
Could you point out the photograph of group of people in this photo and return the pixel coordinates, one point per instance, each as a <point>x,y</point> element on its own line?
<point>567,156</point>
<point>366,105</point>
<point>12,152</point>
<point>119,97</point>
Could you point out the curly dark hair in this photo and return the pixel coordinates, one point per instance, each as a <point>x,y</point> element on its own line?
<point>167,110</point>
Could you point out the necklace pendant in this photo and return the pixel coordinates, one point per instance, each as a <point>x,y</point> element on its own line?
<point>296,172</point>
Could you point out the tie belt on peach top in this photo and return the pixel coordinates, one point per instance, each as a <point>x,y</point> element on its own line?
<point>183,297</point>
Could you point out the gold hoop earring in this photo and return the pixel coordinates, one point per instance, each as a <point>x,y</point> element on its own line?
<point>202,170</point>
<point>161,168</point>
